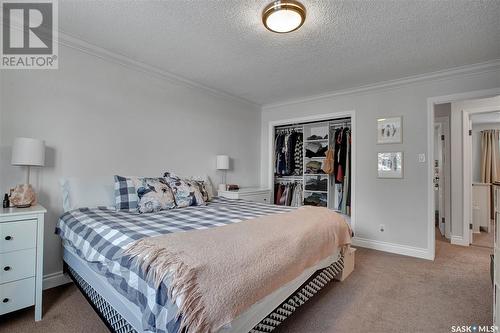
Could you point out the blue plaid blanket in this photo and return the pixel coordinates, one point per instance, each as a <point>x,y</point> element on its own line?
<point>99,235</point>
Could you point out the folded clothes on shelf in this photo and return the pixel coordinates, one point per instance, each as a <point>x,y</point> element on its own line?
<point>316,199</point>
<point>316,149</point>
<point>313,167</point>
<point>317,137</point>
<point>317,184</point>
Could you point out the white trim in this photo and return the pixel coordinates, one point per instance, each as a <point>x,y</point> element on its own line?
<point>94,50</point>
<point>404,250</point>
<point>458,240</point>
<point>473,69</point>
<point>431,241</point>
<point>467,166</point>
<point>56,279</point>
<point>445,125</point>
<point>129,63</point>
<point>318,117</point>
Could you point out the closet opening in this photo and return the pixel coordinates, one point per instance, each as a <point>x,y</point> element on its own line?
<point>312,162</point>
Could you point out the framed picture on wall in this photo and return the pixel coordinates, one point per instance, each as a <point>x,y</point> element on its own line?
<point>390,130</point>
<point>390,164</point>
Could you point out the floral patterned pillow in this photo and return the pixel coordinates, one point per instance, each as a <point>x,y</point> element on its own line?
<point>186,192</point>
<point>154,194</point>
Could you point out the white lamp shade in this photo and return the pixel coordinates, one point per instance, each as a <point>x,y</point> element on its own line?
<point>222,162</point>
<point>27,151</point>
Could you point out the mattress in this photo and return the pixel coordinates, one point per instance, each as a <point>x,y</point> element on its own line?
<point>131,312</point>
<point>97,237</point>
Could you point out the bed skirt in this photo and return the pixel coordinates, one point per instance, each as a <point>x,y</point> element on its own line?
<point>116,323</point>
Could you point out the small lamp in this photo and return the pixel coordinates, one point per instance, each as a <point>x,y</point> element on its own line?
<point>222,164</point>
<point>26,152</point>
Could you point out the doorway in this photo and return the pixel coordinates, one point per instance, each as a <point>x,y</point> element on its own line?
<point>442,171</point>
<point>484,149</point>
<point>457,200</point>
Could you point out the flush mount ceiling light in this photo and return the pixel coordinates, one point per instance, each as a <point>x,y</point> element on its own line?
<point>284,16</point>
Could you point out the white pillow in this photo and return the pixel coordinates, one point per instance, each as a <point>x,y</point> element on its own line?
<point>87,192</point>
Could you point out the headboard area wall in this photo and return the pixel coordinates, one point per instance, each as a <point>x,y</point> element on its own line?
<point>99,118</point>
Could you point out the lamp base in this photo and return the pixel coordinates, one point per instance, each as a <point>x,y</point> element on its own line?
<point>23,196</point>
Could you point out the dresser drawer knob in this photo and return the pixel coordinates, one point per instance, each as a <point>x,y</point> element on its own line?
<point>8,237</point>
<point>6,268</point>
<point>5,300</point>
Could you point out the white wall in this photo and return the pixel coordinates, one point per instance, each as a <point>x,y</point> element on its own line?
<point>476,148</point>
<point>401,205</point>
<point>100,118</point>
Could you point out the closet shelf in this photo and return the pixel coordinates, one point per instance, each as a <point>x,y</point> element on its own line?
<point>316,174</point>
<point>316,140</point>
<point>315,191</point>
<point>316,157</point>
<point>288,178</point>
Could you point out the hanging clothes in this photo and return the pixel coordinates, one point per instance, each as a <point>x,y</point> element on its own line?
<point>328,162</point>
<point>298,156</point>
<point>288,152</point>
<point>288,194</point>
<point>340,154</point>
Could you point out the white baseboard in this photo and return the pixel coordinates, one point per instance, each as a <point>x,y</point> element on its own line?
<point>458,240</point>
<point>55,279</point>
<point>404,250</point>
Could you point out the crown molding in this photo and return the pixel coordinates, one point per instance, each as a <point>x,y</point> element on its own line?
<point>127,62</point>
<point>493,65</point>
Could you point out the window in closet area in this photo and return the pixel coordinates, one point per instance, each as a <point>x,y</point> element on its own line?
<point>312,164</point>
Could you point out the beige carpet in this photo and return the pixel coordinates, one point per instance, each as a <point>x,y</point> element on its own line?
<point>484,238</point>
<point>386,293</point>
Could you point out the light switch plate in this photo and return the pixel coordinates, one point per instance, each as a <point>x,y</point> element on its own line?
<point>421,158</point>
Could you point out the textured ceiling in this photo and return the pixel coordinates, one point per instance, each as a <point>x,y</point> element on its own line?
<point>343,44</point>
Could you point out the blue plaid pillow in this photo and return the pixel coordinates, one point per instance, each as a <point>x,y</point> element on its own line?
<point>125,194</point>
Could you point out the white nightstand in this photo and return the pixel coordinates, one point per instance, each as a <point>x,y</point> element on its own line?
<point>256,194</point>
<point>21,259</point>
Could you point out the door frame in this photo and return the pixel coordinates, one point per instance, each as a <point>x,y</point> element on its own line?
<point>318,117</point>
<point>467,165</point>
<point>445,127</point>
<point>439,195</point>
<point>431,102</point>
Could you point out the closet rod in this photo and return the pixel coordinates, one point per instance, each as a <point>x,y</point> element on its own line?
<point>313,122</point>
<point>285,127</point>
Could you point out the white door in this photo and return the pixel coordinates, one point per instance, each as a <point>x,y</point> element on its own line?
<point>439,178</point>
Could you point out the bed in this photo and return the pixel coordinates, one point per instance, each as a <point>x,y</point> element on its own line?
<point>92,240</point>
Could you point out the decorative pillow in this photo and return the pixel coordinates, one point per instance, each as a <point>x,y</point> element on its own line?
<point>125,194</point>
<point>204,185</point>
<point>154,194</point>
<point>186,192</point>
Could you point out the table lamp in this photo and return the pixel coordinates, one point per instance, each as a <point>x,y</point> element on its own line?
<point>26,152</point>
<point>222,164</point>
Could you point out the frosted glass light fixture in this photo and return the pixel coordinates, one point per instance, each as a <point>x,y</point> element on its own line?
<point>284,16</point>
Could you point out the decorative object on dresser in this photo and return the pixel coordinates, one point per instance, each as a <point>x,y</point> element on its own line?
<point>390,130</point>
<point>222,164</point>
<point>256,194</point>
<point>26,152</point>
<point>21,259</point>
